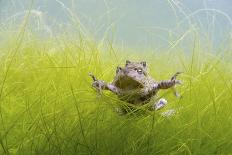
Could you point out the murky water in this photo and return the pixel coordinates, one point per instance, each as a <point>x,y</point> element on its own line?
<point>137,23</point>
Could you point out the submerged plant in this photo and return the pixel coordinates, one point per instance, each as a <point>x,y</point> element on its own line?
<point>47,105</point>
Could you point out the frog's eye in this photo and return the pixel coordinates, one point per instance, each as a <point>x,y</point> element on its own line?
<point>139,71</point>
<point>118,69</point>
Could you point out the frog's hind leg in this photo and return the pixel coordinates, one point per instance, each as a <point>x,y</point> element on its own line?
<point>160,104</point>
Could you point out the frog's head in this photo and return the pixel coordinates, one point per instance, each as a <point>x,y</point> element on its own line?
<point>139,67</point>
<point>133,74</point>
<point>136,68</point>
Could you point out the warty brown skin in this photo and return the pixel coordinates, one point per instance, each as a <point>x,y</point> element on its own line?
<point>133,84</point>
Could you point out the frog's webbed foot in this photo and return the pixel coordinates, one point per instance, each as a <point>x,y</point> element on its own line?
<point>175,81</point>
<point>166,84</point>
<point>160,104</point>
<point>99,85</point>
<point>173,78</point>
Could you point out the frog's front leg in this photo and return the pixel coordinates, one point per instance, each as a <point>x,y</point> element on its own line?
<point>165,84</point>
<point>100,85</point>
<point>170,83</point>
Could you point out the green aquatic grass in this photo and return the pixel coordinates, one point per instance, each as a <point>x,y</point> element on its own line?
<point>47,104</point>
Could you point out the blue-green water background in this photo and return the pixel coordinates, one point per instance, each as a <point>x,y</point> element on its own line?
<point>155,24</point>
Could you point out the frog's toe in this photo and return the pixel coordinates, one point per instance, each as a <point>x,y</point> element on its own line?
<point>95,84</point>
<point>98,85</point>
<point>178,82</point>
<point>175,75</point>
<point>93,77</point>
<point>160,104</point>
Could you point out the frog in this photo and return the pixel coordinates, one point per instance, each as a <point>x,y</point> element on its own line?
<point>133,84</point>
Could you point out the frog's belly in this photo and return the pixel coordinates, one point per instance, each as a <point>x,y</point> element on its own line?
<point>128,84</point>
<point>134,97</point>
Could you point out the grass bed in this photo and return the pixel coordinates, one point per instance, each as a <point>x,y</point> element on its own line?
<point>47,105</point>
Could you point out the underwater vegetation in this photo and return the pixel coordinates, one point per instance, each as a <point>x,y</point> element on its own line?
<point>48,106</point>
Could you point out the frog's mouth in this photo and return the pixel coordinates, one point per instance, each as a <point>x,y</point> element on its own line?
<point>127,82</point>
